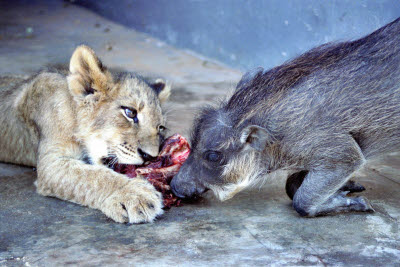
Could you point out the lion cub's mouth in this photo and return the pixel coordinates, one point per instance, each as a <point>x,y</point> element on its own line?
<point>160,170</point>
<point>110,161</point>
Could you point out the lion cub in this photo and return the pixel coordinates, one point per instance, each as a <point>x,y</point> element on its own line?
<point>68,126</point>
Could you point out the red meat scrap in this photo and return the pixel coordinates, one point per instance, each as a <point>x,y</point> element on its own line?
<point>159,172</point>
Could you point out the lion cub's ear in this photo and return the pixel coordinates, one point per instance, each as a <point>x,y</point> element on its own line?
<point>162,89</point>
<point>87,73</point>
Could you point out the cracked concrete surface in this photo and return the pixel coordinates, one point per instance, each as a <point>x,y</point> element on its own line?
<point>257,227</point>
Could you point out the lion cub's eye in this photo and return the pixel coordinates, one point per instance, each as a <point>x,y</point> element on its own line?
<point>131,113</point>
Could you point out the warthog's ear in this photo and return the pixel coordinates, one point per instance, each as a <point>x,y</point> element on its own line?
<point>87,74</point>
<point>249,76</point>
<point>162,89</point>
<point>256,137</point>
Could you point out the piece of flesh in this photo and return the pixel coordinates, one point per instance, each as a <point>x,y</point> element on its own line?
<point>160,171</point>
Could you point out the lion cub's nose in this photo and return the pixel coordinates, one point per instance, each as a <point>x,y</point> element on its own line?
<point>145,156</point>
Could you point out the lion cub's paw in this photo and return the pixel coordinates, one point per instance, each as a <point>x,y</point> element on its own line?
<point>137,202</point>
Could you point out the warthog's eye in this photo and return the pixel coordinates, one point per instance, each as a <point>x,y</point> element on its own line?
<point>213,156</point>
<point>161,128</point>
<point>131,113</point>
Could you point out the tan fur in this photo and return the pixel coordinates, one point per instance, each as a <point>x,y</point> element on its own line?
<point>53,122</point>
<point>236,176</point>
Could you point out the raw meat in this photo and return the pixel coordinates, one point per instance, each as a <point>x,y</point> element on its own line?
<point>159,172</point>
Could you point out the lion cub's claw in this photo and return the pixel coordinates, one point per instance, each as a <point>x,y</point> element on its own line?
<point>136,202</point>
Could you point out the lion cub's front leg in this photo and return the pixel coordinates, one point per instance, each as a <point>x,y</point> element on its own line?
<point>135,202</point>
<point>120,198</point>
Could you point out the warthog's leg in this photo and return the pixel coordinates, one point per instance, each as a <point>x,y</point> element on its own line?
<point>320,194</point>
<point>352,187</point>
<point>295,180</point>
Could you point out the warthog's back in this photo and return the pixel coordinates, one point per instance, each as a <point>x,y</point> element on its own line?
<point>351,87</point>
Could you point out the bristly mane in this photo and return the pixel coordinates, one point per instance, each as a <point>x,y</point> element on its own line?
<point>283,77</point>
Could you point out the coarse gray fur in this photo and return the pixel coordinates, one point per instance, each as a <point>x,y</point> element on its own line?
<point>321,116</point>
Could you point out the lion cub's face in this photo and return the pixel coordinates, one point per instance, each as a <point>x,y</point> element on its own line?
<point>118,117</point>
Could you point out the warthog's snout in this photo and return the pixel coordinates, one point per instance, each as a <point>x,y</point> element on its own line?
<point>185,184</point>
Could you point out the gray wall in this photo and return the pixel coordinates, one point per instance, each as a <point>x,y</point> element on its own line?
<point>245,33</point>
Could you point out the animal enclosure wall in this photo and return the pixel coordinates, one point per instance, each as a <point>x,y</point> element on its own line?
<point>247,34</point>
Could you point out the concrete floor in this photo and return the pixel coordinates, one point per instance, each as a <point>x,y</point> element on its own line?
<point>257,227</point>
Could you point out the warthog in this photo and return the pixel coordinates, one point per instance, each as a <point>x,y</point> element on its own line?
<point>321,116</point>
